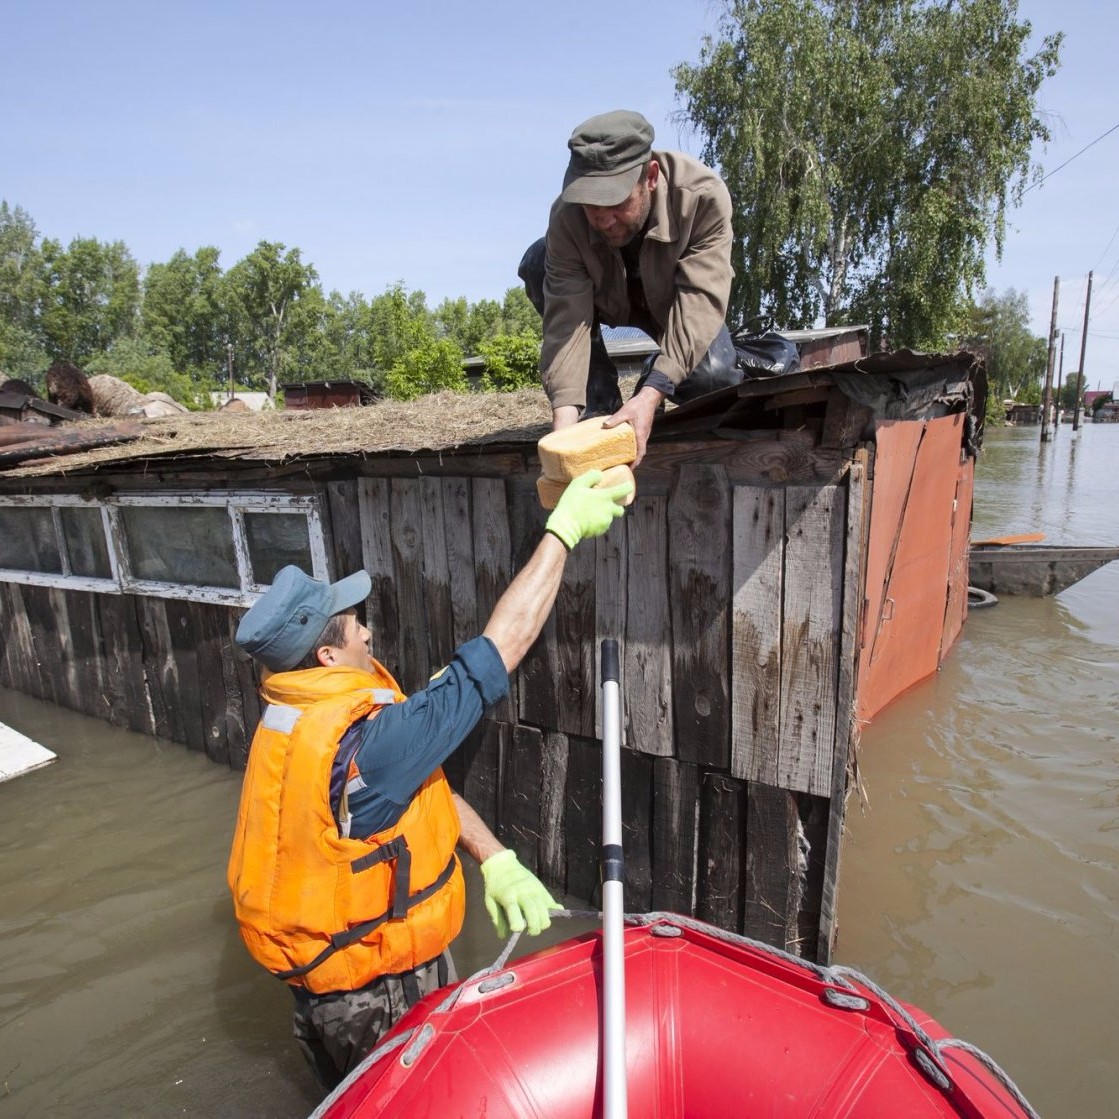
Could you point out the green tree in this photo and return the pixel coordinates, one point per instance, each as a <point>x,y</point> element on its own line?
<point>262,296</point>
<point>22,353</point>
<point>512,361</point>
<point>90,297</point>
<point>519,316</point>
<point>182,312</point>
<point>997,327</point>
<point>399,322</point>
<point>872,148</point>
<point>347,343</point>
<point>432,365</point>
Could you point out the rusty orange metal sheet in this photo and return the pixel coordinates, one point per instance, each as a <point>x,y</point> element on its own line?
<point>909,559</point>
<point>956,611</point>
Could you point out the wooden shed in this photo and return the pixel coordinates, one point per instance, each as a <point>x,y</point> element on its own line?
<point>795,558</point>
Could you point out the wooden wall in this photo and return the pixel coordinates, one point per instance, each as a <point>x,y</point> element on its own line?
<point>733,585</point>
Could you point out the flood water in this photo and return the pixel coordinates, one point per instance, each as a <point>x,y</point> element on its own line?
<point>980,880</point>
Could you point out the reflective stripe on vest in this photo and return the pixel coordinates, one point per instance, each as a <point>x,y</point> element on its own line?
<point>279,717</point>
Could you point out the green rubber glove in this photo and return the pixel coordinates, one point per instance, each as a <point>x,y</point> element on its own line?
<point>515,897</point>
<point>585,510</point>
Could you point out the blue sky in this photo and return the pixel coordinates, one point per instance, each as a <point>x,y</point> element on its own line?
<point>425,142</point>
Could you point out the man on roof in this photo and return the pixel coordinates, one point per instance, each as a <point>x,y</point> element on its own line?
<point>345,879</point>
<point>638,237</point>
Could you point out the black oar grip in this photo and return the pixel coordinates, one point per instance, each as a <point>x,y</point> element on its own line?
<point>610,661</point>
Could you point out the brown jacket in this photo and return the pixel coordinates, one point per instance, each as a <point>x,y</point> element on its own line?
<point>685,270</point>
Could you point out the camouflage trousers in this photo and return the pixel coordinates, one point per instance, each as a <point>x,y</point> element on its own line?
<point>337,1030</point>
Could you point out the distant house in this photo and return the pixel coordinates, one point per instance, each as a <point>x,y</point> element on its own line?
<point>255,401</point>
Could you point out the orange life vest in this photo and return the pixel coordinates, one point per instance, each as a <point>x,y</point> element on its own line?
<point>318,909</point>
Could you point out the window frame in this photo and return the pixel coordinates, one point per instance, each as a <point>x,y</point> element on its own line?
<point>236,503</point>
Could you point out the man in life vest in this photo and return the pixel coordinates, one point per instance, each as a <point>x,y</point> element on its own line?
<point>345,879</point>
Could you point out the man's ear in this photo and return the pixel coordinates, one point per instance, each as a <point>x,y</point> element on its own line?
<point>325,655</point>
<point>652,175</point>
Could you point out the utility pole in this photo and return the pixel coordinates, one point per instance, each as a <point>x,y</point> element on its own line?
<point>229,363</point>
<point>1047,396</point>
<point>1060,377</point>
<point>1083,345</point>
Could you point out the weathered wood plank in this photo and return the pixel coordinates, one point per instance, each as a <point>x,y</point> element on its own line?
<point>789,459</point>
<point>345,526</point>
<point>477,462</point>
<point>722,828</point>
<point>574,682</point>
<point>814,822</point>
<point>521,796</point>
<point>699,517</point>
<point>161,669</point>
<point>210,634</point>
<point>436,576</point>
<point>460,559</point>
<point>638,833</point>
<point>583,819</point>
<point>845,422</point>
<point>248,682</point>
<point>611,577</point>
<point>482,753</point>
<point>184,645</point>
<point>814,529</point>
<point>540,682</point>
<point>755,667</point>
<point>647,655</point>
<point>675,811</point>
<point>125,684</point>
<point>85,633</point>
<point>493,561</point>
<point>19,648</point>
<point>553,808</point>
<point>774,878</point>
<point>69,668</point>
<point>408,560</point>
<point>846,727</point>
<point>44,641</point>
<point>381,608</point>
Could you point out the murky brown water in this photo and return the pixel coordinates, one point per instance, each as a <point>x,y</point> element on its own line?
<point>981,882</point>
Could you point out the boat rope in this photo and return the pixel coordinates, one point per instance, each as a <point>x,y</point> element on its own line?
<point>929,1053</point>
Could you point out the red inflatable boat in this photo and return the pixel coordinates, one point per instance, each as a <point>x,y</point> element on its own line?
<point>715,1026</point>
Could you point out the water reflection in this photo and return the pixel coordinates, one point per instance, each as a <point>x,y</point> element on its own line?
<point>982,882</point>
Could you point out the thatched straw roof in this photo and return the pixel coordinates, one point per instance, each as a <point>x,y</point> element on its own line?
<point>441,422</point>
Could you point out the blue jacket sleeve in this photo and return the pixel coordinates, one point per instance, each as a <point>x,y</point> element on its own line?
<point>407,742</point>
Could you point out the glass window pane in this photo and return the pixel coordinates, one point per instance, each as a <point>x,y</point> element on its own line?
<point>275,540</point>
<point>179,544</point>
<point>28,541</point>
<point>85,541</point>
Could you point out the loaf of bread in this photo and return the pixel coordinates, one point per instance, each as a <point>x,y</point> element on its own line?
<point>550,490</point>
<point>587,445</point>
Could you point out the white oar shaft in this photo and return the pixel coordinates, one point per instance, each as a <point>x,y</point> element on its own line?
<point>613,885</point>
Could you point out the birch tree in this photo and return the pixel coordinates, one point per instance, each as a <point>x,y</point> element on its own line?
<point>872,149</point>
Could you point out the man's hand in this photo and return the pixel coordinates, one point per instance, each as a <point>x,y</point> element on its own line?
<point>585,509</point>
<point>515,897</point>
<point>639,410</point>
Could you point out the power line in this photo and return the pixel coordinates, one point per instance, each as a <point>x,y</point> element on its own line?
<point>1071,158</point>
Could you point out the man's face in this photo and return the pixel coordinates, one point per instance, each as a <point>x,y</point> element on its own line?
<point>354,650</point>
<point>619,224</point>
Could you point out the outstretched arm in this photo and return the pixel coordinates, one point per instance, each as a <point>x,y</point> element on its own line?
<point>584,510</point>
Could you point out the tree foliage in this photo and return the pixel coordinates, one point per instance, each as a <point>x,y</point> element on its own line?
<point>872,148</point>
<point>997,327</point>
<point>177,327</point>
<point>512,361</point>
<point>431,366</point>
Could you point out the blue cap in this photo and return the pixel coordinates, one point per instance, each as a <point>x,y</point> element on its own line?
<point>282,626</point>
